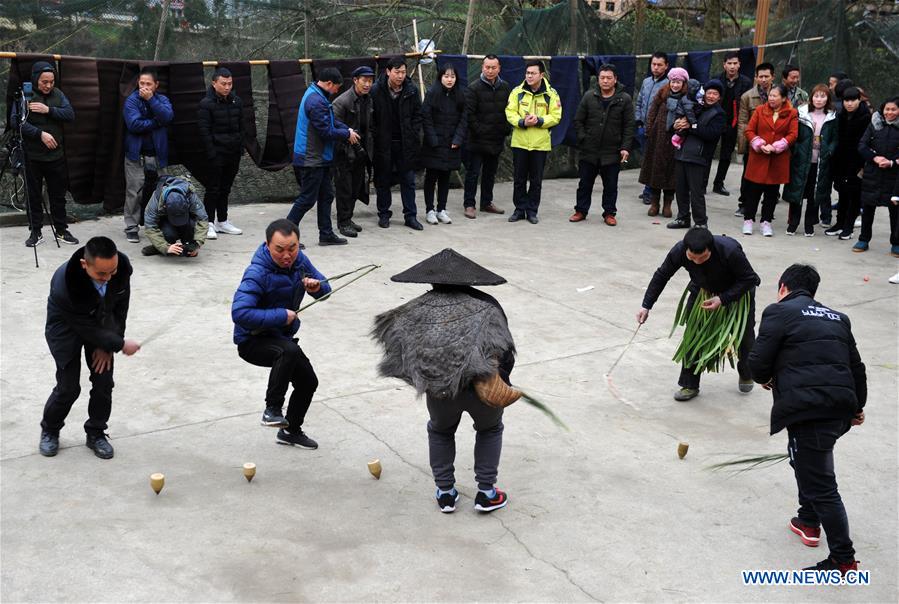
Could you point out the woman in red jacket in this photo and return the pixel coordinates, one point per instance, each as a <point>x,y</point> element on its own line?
<point>772,129</point>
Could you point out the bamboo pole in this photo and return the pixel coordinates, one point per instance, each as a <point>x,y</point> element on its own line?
<point>161,34</point>
<point>421,78</point>
<point>761,28</point>
<point>468,21</point>
<point>12,55</point>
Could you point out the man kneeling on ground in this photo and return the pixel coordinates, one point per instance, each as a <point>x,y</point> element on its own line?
<point>175,220</point>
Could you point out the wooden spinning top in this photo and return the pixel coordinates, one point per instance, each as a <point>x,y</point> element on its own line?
<point>682,449</point>
<point>157,481</point>
<point>374,467</point>
<point>249,471</point>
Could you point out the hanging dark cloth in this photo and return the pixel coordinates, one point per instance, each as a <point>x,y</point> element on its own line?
<point>564,77</point>
<point>699,64</point>
<point>625,65</point>
<point>286,86</point>
<point>109,172</point>
<point>459,64</point>
<point>511,69</point>
<point>243,88</point>
<point>187,86</point>
<point>747,61</point>
<point>345,66</point>
<point>78,80</point>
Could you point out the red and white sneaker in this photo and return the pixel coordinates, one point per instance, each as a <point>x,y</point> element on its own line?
<point>482,503</point>
<point>810,535</point>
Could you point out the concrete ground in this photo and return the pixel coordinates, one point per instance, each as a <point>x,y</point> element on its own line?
<point>605,512</point>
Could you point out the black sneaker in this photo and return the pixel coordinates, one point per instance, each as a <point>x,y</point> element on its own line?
<point>100,446</point>
<point>447,501</point>
<point>720,190</point>
<point>49,444</point>
<point>67,237</point>
<point>355,226</point>
<point>35,239</point>
<point>844,235</point>
<point>482,503</point>
<point>412,223</point>
<point>272,417</point>
<point>132,236</point>
<point>297,438</point>
<point>149,250</point>
<point>332,239</point>
<point>678,223</point>
<point>739,211</point>
<point>384,222</point>
<point>831,564</point>
<point>347,230</point>
<point>833,231</point>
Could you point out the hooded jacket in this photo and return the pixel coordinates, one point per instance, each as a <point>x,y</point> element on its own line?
<point>880,184</point>
<point>147,118</point>
<point>266,291</point>
<point>603,132</point>
<point>545,104</point>
<point>809,352</point>
<point>220,121</point>
<point>155,213</point>
<point>77,315</point>
<point>801,155</point>
<point>52,123</point>
<point>317,130</point>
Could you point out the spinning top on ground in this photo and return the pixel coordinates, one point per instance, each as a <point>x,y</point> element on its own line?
<point>157,481</point>
<point>249,471</point>
<point>374,467</point>
<point>682,449</point>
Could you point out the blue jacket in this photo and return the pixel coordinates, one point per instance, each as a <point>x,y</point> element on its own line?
<point>317,130</point>
<point>147,118</point>
<point>648,91</point>
<point>266,291</point>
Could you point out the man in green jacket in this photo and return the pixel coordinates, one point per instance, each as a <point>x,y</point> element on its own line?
<point>605,133</point>
<point>534,107</point>
<point>42,135</point>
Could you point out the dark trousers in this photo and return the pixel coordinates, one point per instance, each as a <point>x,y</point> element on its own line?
<point>222,172</point>
<point>753,192</point>
<point>849,187</point>
<point>350,184</point>
<point>315,189</point>
<point>868,223</point>
<point>689,379</point>
<point>587,172</point>
<point>488,444</point>
<point>528,180</point>
<point>185,234</point>
<point>690,191</point>
<point>67,389</point>
<point>811,455</point>
<point>404,177</point>
<point>728,142</point>
<point>826,208</point>
<point>743,179</point>
<point>439,179</point>
<point>54,172</point>
<point>811,208</point>
<point>483,165</point>
<point>289,366</point>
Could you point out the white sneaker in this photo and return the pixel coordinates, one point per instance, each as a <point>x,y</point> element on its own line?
<point>767,231</point>
<point>210,232</point>
<point>431,217</point>
<point>443,217</point>
<point>747,227</point>
<point>895,278</point>
<point>858,222</point>
<point>228,228</point>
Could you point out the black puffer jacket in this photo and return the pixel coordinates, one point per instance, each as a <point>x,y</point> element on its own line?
<point>879,184</point>
<point>220,123</point>
<point>602,133</point>
<point>727,273</point>
<point>445,122</point>
<point>810,353</point>
<point>77,315</point>
<point>487,124</point>
<point>850,129</point>
<point>409,112</point>
<point>698,146</point>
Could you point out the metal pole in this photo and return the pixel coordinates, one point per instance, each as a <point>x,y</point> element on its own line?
<point>161,34</point>
<point>467,37</point>
<point>761,28</point>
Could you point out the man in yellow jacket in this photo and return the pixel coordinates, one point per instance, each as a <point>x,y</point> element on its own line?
<point>534,107</point>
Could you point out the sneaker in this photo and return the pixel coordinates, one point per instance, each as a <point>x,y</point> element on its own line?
<point>746,385</point>
<point>100,446</point>
<point>767,231</point>
<point>845,235</point>
<point>132,236</point>
<point>747,227</point>
<point>826,224</point>
<point>860,246</point>
<point>210,232</point>
<point>227,228</point>
<point>384,222</point>
<point>431,217</point>
<point>66,237</point>
<point>678,223</point>
<point>790,232</point>
<point>812,234</point>
<point>443,217</point>
<point>685,394</point>
<point>447,501</point>
<point>298,439</point>
<point>482,503</point>
<point>831,564</point>
<point>894,251</point>
<point>272,417</point>
<point>739,211</point>
<point>833,231</point>
<point>895,279</point>
<point>720,190</point>
<point>810,535</point>
<point>35,239</point>
<point>332,239</point>
<point>354,226</point>
<point>347,231</point>
<point>412,223</point>
<point>49,444</point>
<point>150,250</point>
<point>858,222</point>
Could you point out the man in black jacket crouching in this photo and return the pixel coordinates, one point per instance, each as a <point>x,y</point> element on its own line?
<point>806,355</point>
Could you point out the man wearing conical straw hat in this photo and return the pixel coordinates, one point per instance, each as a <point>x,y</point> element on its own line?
<point>718,269</point>
<point>453,345</point>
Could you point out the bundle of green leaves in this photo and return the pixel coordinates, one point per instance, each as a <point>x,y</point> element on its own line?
<point>711,337</point>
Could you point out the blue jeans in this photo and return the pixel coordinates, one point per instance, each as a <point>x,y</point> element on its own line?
<point>315,187</point>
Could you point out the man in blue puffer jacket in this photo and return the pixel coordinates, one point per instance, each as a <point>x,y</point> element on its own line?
<point>264,312</point>
<point>313,153</point>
